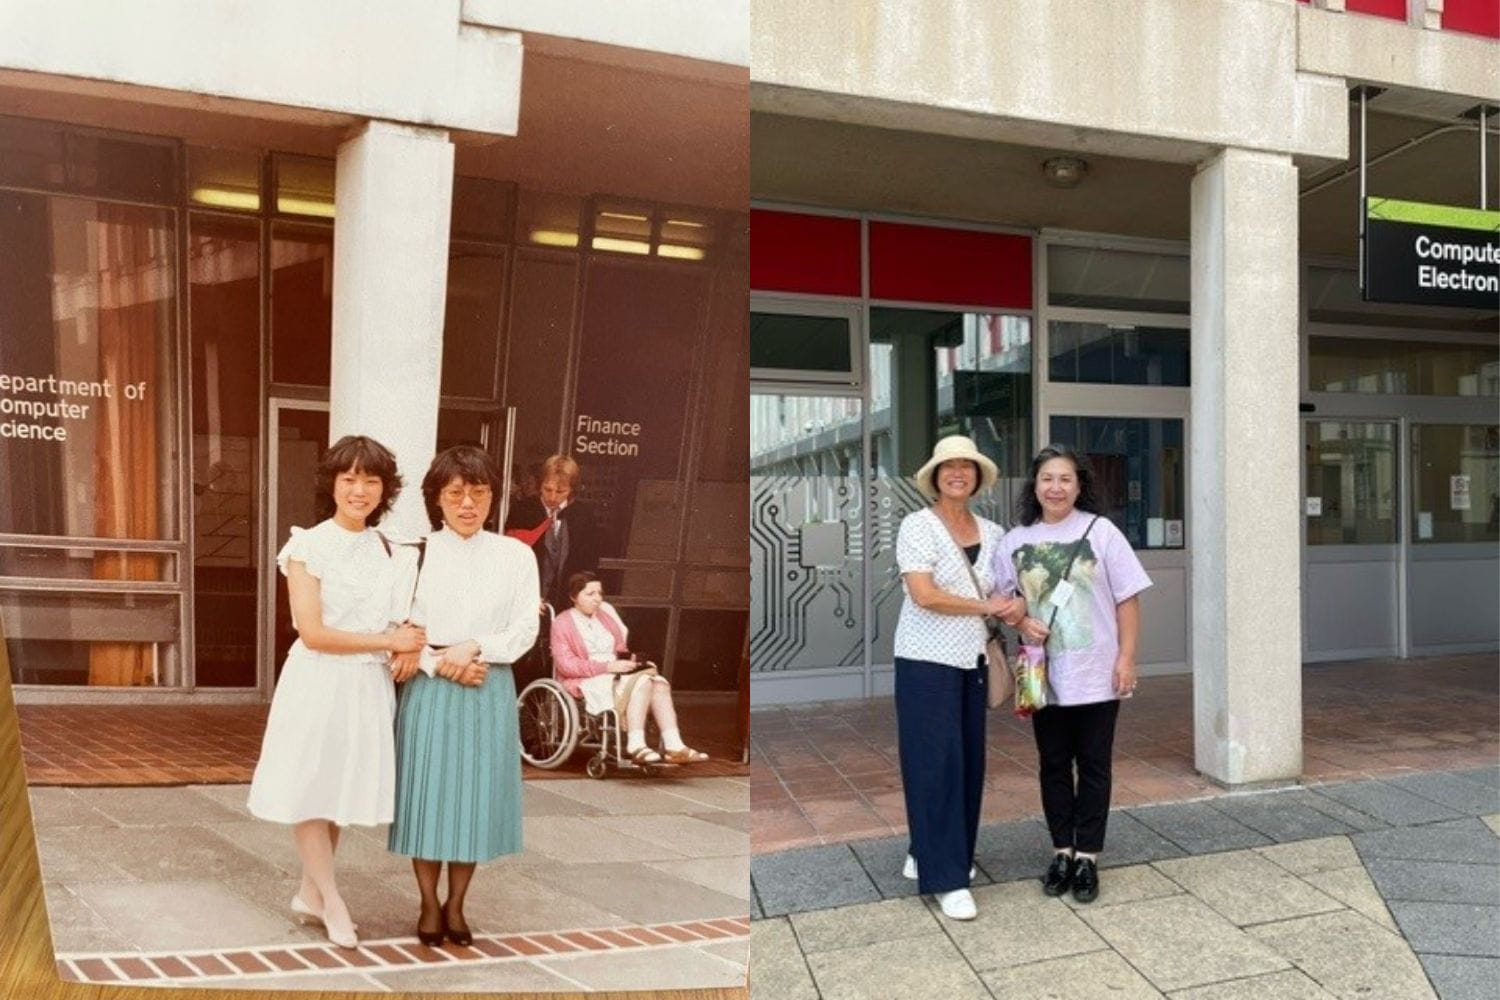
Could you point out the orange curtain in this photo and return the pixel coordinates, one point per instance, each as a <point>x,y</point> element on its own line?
<point>134,298</point>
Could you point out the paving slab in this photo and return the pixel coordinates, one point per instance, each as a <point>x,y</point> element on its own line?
<point>882,859</point>
<point>181,916</point>
<point>740,821</point>
<point>1100,975</point>
<point>756,913</point>
<point>1178,942</point>
<point>1353,888</point>
<point>231,797</point>
<point>1017,924</point>
<point>1493,822</point>
<point>76,927</point>
<point>295,983</point>
<point>1386,802</point>
<point>1008,851</point>
<point>161,853</point>
<point>1436,881</point>
<point>730,876</point>
<point>68,855</point>
<point>1472,798</point>
<point>727,794</point>
<point>1290,985</point>
<point>865,923</point>
<point>1198,828</point>
<point>491,978</point>
<point>777,968</point>
<point>1325,854</point>
<point>1466,840</point>
<point>1128,841</point>
<point>157,806</point>
<point>1484,775</point>
<point>538,798</point>
<point>682,968</point>
<point>1462,978</point>
<point>584,839</point>
<point>1348,955</point>
<point>1348,815</point>
<point>629,795</point>
<point>63,807</point>
<point>810,878</point>
<point>918,967</point>
<point>504,902</point>
<point>640,894</point>
<point>1281,816</point>
<point>1129,884</point>
<point>1449,928</point>
<point>1245,888</point>
<point>689,837</point>
<point>381,907</point>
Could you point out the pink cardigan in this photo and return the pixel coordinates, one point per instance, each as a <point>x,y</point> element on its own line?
<point>570,657</point>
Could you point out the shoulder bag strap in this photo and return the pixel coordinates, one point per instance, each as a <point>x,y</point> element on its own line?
<point>964,556</point>
<point>1069,568</point>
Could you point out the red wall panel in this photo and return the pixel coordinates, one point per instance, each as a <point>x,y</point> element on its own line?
<point>815,254</point>
<point>953,266</point>
<point>1393,9</point>
<point>1478,17</point>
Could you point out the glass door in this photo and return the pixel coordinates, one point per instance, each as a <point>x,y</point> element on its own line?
<point>1351,588</point>
<point>299,434</point>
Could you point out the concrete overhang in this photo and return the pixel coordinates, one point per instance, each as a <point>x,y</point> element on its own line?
<point>706,30</point>
<point>1164,80</point>
<point>417,64</point>
<point>1454,69</point>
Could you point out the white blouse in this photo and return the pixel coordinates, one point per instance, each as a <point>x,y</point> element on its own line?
<point>923,545</point>
<point>483,587</point>
<point>360,585</point>
<point>597,639</point>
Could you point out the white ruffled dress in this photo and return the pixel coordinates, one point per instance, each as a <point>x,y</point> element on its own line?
<point>329,747</point>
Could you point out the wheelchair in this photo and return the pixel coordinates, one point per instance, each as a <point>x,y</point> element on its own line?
<point>554,725</point>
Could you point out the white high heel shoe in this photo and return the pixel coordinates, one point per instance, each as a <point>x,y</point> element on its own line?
<point>344,937</point>
<point>299,907</point>
<point>909,870</point>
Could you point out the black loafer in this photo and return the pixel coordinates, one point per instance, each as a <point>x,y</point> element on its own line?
<point>1059,876</point>
<point>1086,881</point>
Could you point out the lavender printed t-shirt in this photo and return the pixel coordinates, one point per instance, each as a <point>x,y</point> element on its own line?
<point>1085,636</point>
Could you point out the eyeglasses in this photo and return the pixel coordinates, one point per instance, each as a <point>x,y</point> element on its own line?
<point>456,494</point>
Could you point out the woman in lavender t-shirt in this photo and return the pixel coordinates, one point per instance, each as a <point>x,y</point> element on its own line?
<point>1090,650</point>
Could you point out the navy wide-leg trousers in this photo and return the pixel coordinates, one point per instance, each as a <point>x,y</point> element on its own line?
<point>940,714</point>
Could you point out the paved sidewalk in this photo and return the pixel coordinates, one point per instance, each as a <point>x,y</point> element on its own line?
<point>628,883</point>
<point>1372,889</point>
<point>828,772</point>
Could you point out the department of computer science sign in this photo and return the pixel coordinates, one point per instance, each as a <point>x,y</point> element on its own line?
<point>1431,255</point>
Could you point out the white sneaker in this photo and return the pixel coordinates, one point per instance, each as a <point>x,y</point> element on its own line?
<point>909,870</point>
<point>958,905</point>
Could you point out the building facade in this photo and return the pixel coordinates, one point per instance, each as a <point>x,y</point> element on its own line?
<point>1134,229</point>
<point>230,241</point>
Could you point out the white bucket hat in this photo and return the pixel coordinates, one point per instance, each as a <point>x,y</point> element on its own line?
<point>956,446</point>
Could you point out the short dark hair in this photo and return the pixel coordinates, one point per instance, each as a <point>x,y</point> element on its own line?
<point>362,454</point>
<point>578,581</point>
<point>1029,508</point>
<point>932,477</point>
<point>470,464</point>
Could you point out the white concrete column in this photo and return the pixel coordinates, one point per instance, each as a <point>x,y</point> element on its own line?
<point>394,193</point>
<point>1247,627</point>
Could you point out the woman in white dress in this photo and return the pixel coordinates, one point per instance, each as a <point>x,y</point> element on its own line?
<point>590,654</point>
<point>328,758</point>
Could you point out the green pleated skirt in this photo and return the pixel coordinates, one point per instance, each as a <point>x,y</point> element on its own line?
<point>458,769</point>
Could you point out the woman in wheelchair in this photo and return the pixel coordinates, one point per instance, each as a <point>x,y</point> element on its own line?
<point>591,659</point>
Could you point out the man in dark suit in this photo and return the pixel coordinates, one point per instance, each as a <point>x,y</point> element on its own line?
<point>558,529</point>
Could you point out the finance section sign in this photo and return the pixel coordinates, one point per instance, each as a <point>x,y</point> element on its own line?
<point>1431,255</point>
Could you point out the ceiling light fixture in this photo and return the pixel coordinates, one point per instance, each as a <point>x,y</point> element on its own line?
<point>1064,171</point>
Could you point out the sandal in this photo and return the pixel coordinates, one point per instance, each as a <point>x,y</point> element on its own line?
<point>687,755</point>
<point>643,756</point>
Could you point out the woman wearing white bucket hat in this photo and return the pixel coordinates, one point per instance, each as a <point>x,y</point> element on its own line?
<point>944,553</point>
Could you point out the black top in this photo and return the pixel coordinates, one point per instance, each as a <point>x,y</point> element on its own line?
<point>972,551</point>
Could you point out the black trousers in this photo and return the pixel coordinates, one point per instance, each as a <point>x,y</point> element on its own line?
<point>1081,736</point>
<point>940,714</point>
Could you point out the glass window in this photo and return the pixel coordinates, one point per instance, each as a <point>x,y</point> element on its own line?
<point>1350,494</point>
<point>1404,367</point>
<point>622,228</point>
<point>718,514</point>
<point>482,209</point>
<point>304,185</point>
<point>88,307</point>
<point>471,320</point>
<point>1138,473</point>
<point>43,155</point>
<point>224,309</point>
<point>95,639</point>
<point>1096,278</point>
<point>301,304</point>
<point>685,234</point>
<point>1456,483</point>
<point>74,563</point>
<point>546,219</point>
<point>806,532</point>
<point>224,178</point>
<point>540,335</point>
<point>783,345</point>
<point>1117,354</point>
<point>710,648</point>
<point>1333,296</point>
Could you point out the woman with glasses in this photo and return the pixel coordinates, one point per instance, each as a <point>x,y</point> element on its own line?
<point>458,763</point>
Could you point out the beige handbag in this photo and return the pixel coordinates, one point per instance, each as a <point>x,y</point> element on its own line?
<point>1002,684</point>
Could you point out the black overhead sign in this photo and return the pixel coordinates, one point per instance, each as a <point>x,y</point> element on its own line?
<point>1431,255</point>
